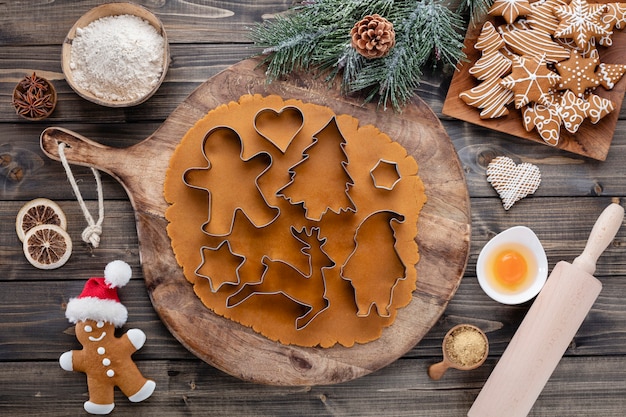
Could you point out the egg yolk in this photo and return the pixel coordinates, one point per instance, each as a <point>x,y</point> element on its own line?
<point>510,268</point>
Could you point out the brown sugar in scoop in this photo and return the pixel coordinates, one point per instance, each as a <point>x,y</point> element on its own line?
<point>465,347</point>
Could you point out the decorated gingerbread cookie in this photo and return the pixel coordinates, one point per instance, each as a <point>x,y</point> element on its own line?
<point>105,358</point>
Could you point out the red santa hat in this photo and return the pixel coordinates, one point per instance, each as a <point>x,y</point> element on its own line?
<point>99,300</point>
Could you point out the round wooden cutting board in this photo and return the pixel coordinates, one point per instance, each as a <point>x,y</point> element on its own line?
<point>443,232</point>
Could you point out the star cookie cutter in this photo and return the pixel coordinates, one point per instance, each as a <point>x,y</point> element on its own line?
<point>307,289</point>
<point>279,127</point>
<point>361,266</point>
<point>259,211</point>
<point>311,177</point>
<point>212,256</point>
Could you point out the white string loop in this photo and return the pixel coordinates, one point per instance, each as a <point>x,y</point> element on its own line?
<point>92,232</point>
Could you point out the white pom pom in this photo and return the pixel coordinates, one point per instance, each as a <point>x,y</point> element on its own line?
<point>117,273</point>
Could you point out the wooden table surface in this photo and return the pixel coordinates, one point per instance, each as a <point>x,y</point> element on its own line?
<point>205,38</point>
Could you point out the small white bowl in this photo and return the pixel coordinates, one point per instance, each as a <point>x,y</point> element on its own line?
<point>525,242</point>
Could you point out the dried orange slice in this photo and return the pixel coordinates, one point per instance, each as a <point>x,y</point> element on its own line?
<point>36,212</point>
<point>47,246</point>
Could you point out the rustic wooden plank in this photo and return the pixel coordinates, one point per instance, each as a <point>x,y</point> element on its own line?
<point>402,389</point>
<point>563,174</point>
<point>36,318</point>
<point>33,330</point>
<point>190,66</point>
<point>32,314</point>
<point>575,218</point>
<point>185,21</point>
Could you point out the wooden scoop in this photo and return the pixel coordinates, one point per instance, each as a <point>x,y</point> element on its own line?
<point>454,350</point>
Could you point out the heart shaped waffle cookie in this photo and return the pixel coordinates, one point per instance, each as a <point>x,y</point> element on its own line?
<point>512,181</point>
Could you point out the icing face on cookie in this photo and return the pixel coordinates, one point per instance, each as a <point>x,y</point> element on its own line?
<point>91,331</point>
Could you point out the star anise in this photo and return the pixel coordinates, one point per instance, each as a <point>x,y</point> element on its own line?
<point>34,97</point>
<point>34,83</point>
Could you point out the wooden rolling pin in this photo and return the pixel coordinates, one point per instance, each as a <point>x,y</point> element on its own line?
<point>548,328</point>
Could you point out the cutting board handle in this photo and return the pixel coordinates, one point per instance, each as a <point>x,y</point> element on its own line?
<point>79,150</point>
<point>602,234</point>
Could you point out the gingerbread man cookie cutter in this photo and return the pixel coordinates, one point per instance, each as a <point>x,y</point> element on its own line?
<point>201,178</point>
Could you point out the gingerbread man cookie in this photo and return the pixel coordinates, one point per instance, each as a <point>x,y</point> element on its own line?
<point>105,358</point>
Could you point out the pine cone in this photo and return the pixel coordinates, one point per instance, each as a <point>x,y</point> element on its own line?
<point>373,36</point>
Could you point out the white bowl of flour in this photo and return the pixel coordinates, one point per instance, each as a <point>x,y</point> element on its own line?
<point>116,55</point>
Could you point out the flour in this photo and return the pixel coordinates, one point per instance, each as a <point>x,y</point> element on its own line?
<point>118,58</point>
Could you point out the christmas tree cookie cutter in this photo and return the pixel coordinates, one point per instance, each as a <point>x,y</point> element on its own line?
<point>279,127</point>
<point>375,230</point>
<point>312,177</point>
<point>228,165</point>
<point>307,289</point>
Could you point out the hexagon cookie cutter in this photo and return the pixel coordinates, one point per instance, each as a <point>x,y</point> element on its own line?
<point>381,176</point>
<point>306,289</point>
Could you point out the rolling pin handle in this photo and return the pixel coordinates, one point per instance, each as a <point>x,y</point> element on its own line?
<point>603,232</point>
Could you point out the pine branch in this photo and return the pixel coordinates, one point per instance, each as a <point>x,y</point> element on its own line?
<point>316,35</point>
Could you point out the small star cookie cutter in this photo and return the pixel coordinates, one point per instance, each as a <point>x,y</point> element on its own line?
<point>307,289</point>
<point>360,266</point>
<point>216,254</point>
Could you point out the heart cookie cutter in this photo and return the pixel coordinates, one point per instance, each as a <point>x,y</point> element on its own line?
<point>279,127</point>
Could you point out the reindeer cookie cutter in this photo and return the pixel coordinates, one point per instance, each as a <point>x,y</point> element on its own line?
<point>307,289</point>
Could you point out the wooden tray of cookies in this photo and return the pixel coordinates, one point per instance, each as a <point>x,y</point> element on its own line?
<point>591,140</point>
<point>443,232</point>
